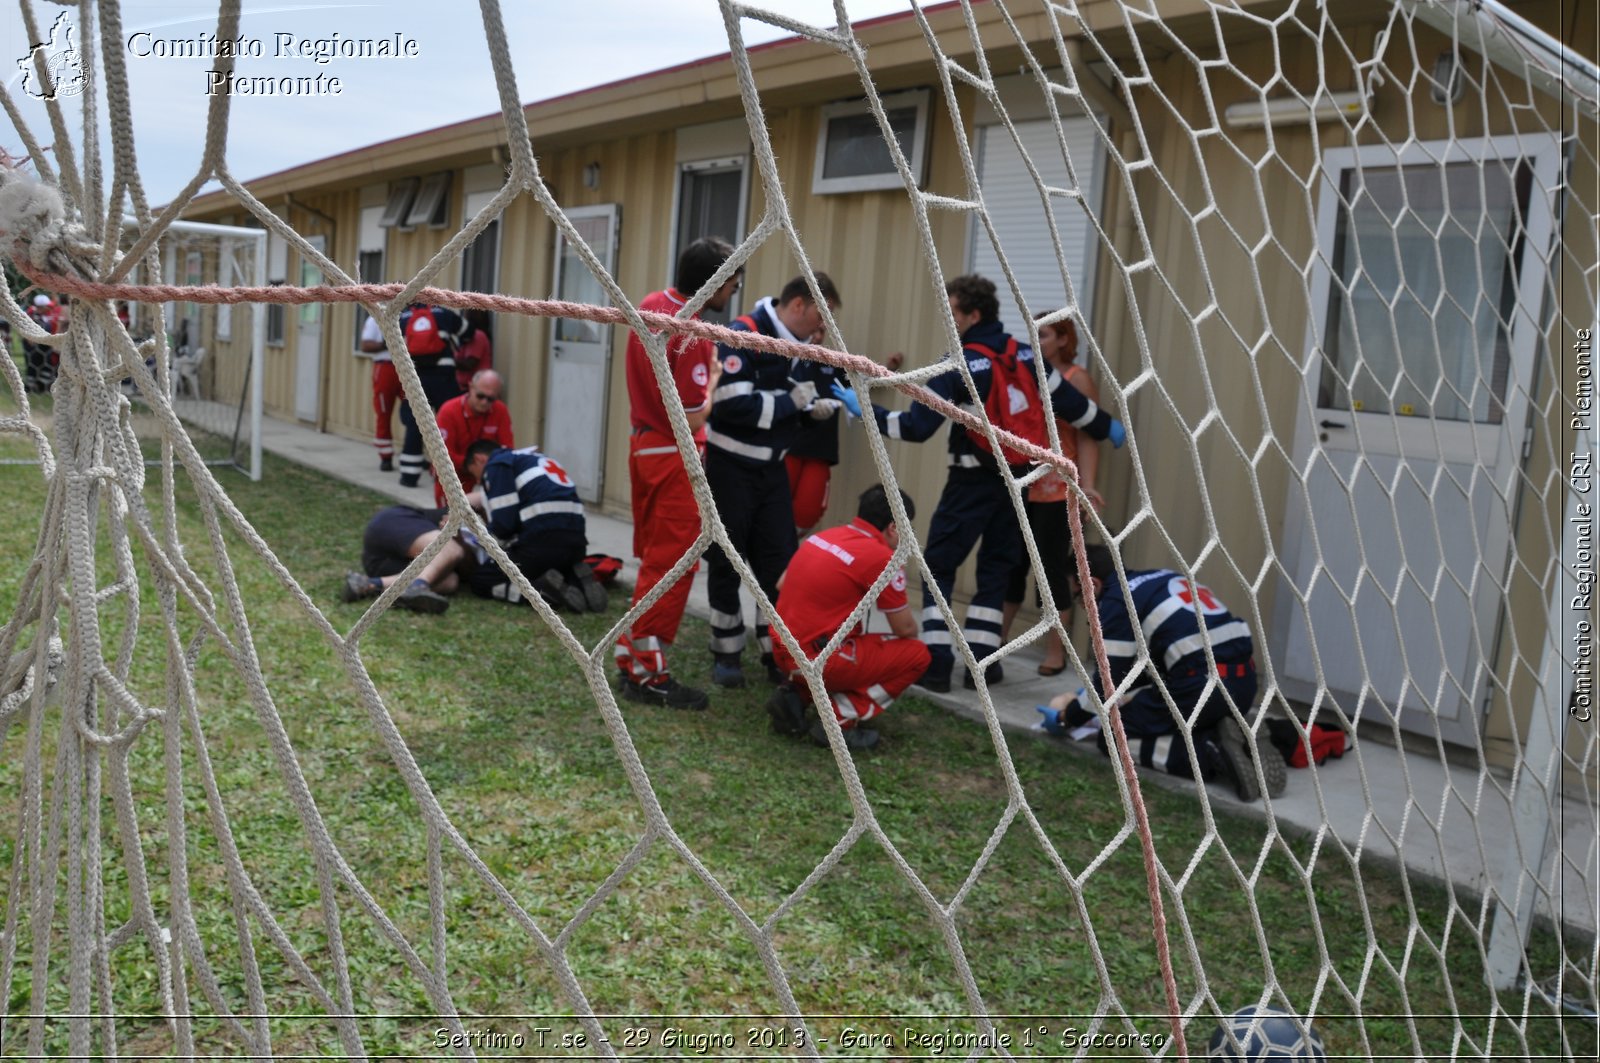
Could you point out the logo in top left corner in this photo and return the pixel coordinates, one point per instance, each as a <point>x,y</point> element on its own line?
<point>66,66</point>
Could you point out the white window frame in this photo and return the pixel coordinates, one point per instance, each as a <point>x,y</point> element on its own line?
<point>725,163</point>
<point>277,273</point>
<point>921,99</point>
<point>431,207</point>
<point>401,195</point>
<point>472,203</point>
<point>1085,284</point>
<point>371,238</point>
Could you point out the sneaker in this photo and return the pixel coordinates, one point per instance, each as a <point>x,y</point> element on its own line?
<point>937,684</point>
<point>1273,768</point>
<point>385,465</point>
<point>1238,753</point>
<point>409,481</point>
<point>728,674</point>
<point>856,739</point>
<point>594,595</point>
<point>994,675</point>
<point>560,591</point>
<point>359,585</point>
<point>666,694</point>
<point>788,711</point>
<point>421,598</point>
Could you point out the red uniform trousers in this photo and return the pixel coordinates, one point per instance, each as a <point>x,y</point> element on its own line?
<point>666,523</point>
<point>865,674</point>
<point>386,396</point>
<point>808,488</point>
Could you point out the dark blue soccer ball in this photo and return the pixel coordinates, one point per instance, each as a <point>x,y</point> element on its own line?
<point>1263,1034</point>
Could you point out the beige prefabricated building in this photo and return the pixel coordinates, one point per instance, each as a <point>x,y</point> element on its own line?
<point>1187,260</point>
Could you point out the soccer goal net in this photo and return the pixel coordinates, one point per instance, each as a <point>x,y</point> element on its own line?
<point>215,351</point>
<point>1332,265</point>
<point>212,385</point>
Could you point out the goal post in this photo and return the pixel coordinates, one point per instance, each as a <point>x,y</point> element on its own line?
<point>214,353</point>
<point>216,358</point>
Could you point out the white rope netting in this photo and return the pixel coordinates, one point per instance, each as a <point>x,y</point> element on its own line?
<point>1435,288</point>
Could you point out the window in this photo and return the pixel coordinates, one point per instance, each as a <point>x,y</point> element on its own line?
<point>480,262</point>
<point>432,205</point>
<point>1021,223</point>
<point>369,258</point>
<point>852,154</point>
<point>711,201</point>
<point>275,320</point>
<point>277,273</point>
<point>1425,290</point>
<point>399,205</point>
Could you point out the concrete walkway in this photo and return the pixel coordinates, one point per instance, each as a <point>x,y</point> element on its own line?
<point>1457,825</point>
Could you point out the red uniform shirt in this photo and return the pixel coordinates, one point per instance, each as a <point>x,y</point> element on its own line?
<point>830,574</point>
<point>462,426</point>
<point>689,359</point>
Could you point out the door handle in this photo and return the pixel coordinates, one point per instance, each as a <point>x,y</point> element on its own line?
<point>1333,424</point>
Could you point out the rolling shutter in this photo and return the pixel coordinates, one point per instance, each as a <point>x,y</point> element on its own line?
<point>1017,211</point>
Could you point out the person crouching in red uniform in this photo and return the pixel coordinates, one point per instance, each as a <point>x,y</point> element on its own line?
<point>477,413</point>
<point>825,582</point>
<point>666,517</point>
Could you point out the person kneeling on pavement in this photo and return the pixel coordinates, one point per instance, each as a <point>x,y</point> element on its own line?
<point>1179,619</point>
<point>824,583</point>
<point>531,506</point>
<point>393,537</point>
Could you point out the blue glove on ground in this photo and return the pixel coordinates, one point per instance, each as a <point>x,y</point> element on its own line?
<point>1052,720</point>
<point>852,403</point>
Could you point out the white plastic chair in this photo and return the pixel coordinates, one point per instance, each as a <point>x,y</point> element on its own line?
<point>186,365</point>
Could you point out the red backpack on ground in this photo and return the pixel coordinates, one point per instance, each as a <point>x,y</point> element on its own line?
<point>1320,744</point>
<point>605,567</point>
<point>1013,403</point>
<point>422,332</point>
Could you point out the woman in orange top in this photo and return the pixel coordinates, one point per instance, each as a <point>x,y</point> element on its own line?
<point>1047,516</point>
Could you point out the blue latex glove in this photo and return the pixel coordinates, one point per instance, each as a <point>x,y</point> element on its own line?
<point>1052,720</point>
<point>1118,434</point>
<point>852,403</point>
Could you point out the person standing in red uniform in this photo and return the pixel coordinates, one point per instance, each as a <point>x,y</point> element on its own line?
<point>386,391</point>
<point>825,582</point>
<point>666,517</point>
<point>475,414</point>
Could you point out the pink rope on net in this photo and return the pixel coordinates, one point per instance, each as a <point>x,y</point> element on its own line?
<point>375,294</point>
<point>504,304</point>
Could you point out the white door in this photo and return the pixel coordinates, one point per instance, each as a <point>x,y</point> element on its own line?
<point>308,343</point>
<point>1426,307</point>
<point>580,355</point>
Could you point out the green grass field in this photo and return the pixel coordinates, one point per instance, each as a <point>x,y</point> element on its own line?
<point>508,736</point>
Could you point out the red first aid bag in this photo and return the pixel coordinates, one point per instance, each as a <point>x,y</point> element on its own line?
<point>1013,403</point>
<point>422,332</point>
